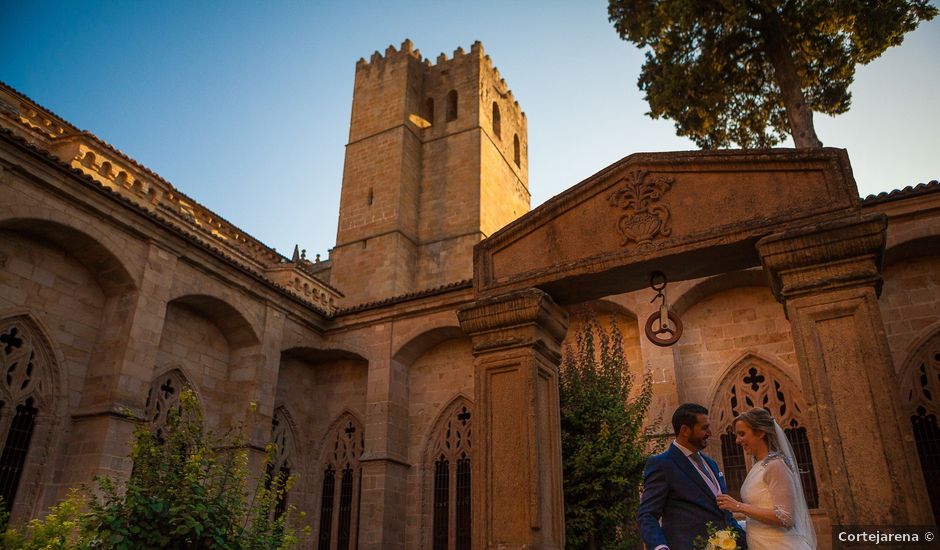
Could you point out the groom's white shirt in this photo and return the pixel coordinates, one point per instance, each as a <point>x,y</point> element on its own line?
<point>712,483</point>
<point>709,479</point>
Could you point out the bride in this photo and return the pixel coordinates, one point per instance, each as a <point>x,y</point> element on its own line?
<point>777,515</point>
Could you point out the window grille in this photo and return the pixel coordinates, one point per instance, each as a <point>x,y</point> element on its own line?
<point>920,392</point>
<point>339,513</point>
<point>451,512</point>
<point>326,508</point>
<point>15,450</point>
<point>26,380</point>
<point>441,502</point>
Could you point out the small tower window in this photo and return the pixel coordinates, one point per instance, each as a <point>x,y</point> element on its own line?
<point>516,156</point>
<point>429,110</point>
<point>452,105</point>
<point>497,125</point>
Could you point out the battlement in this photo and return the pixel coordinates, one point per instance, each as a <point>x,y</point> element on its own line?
<point>407,52</point>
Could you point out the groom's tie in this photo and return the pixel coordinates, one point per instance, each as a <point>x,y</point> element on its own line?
<point>700,464</point>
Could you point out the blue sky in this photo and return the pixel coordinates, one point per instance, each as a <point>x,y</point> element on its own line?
<point>245,105</point>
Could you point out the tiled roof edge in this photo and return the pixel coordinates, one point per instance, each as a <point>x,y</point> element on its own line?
<point>459,285</point>
<point>163,221</point>
<point>932,186</point>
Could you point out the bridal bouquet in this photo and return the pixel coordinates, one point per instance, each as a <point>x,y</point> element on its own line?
<point>717,539</point>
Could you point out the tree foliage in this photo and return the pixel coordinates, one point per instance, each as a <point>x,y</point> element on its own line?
<point>751,72</point>
<point>188,490</point>
<point>604,444</point>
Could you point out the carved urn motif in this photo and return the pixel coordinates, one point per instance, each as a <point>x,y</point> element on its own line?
<point>638,195</point>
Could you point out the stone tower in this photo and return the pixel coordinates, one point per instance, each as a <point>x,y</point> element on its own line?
<point>436,161</point>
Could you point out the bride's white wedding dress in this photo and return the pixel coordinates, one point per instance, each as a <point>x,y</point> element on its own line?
<point>772,484</point>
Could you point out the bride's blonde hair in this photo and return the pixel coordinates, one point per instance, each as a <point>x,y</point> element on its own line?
<point>759,420</point>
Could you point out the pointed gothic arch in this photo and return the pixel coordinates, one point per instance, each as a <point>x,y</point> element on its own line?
<point>920,398</point>
<point>283,435</point>
<point>341,477</point>
<point>446,472</point>
<point>754,382</point>
<point>164,396</point>
<point>31,408</point>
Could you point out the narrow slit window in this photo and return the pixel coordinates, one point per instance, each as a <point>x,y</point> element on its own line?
<point>497,123</point>
<point>429,110</point>
<point>516,154</point>
<point>452,106</point>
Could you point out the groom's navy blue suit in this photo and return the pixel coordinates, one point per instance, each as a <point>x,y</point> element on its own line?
<point>674,490</point>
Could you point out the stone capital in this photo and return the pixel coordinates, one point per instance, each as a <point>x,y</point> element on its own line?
<point>524,318</point>
<point>825,256</point>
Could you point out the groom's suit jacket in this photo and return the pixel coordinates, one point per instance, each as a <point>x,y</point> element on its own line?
<point>674,490</point>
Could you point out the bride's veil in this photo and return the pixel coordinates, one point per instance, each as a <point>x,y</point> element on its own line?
<point>802,523</point>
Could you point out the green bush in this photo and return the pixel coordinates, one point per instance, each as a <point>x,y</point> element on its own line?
<point>188,489</point>
<point>604,444</point>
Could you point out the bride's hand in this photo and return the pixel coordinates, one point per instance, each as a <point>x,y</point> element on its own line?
<point>726,502</point>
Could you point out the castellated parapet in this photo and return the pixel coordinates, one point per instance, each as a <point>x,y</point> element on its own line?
<point>436,161</point>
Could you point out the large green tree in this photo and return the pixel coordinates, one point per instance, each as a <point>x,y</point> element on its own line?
<point>604,443</point>
<point>752,71</point>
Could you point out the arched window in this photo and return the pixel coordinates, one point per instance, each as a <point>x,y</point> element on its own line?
<point>497,124</point>
<point>449,455</point>
<point>429,110</point>
<point>752,383</point>
<point>920,392</point>
<point>342,473</point>
<point>282,435</point>
<point>88,161</point>
<point>26,391</point>
<point>452,105</point>
<point>516,154</point>
<point>163,397</point>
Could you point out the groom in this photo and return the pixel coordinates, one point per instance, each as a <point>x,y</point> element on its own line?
<point>680,486</point>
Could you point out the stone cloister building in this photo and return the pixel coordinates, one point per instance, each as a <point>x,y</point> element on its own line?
<point>410,380</point>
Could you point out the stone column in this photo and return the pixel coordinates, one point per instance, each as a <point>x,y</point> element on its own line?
<point>253,376</point>
<point>828,278</point>
<point>119,374</point>
<point>517,482</point>
<point>385,460</point>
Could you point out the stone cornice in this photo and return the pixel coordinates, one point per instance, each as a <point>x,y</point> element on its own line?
<point>525,317</point>
<point>825,256</point>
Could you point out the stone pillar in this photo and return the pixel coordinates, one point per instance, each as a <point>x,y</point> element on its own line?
<point>517,481</point>
<point>828,278</point>
<point>385,460</point>
<point>253,377</point>
<point>119,375</point>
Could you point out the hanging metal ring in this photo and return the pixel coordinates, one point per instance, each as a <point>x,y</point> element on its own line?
<point>674,330</point>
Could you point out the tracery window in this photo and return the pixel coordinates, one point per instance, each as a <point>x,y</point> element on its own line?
<point>342,475</point>
<point>26,371</point>
<point>283,438</point>
<point>450,453</point>
<point>163,397</point>
<point>756,383</point>
<point>920,391</point>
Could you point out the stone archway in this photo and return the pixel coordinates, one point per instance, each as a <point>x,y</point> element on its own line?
<point>796,213</point>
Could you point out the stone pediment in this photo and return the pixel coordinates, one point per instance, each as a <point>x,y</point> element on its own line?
<point>689,214</point>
